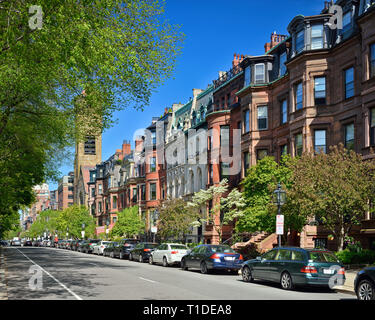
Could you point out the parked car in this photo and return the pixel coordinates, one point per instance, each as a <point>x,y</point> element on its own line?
<point>15,243</point>
<point>168,254</point>
<point>28,243</point>
<point>88,248</point>
<point>142,251</point>
<point>82,246</point>
<point>99,247</point>
<point>207,257</point>
<point>124,247</point>
<point>108,250</point>
<point>4,243</point>
<point>291,266</point>
<point>364,284</point>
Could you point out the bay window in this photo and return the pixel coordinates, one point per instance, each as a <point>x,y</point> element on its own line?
<point>317,37</point>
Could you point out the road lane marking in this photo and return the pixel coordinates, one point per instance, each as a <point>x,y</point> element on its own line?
<point>61,284</point>
<point>147,280</point>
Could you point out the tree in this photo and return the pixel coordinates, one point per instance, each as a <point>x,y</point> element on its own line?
<point>175,219</point>
<point>71,219</point>
<point>114,52</point>
<point>230,206</point>
<point>129,223</point>
<point>335,188</point>
<point>259,184</point>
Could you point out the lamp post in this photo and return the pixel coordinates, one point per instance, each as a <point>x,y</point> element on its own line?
<point>279,198</point>
<point>106,230</point>
<point>83,230</point>
<point>67,232</point>
<point>155,217</point>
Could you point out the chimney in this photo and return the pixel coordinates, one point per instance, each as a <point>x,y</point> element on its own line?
<point>126,149</point>
<point>139,144</point>
<point>237,59</point>
<point>275,40</point>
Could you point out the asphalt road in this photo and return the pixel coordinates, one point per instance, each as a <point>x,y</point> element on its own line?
<point>48,273</point>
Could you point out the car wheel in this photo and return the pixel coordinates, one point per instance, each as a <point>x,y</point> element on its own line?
<point>140,259</point>
<point>151,260</point>
<point>366,290</point>
<point>165,262</point>
<point>286,281</point>
<point>247,275</point>
<point>121,256</point>
<point>204,268</point>
<point>130,257</point>
<point>183,265</point>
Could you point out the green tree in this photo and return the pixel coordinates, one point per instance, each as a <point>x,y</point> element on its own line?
<point>259,184</point>
<point>176,219</point>
<point>129,223</point>
<point>117,52</point>
<point>229,205</point>
<point>335,188</point>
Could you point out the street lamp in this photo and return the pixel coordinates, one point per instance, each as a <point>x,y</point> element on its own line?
<point>83,230</point>
<point>67,232</point>
<point>155,217</point>
<point>107,230</point>
<point>279,198</point>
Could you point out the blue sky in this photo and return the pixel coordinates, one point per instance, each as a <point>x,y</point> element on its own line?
<point>214,30</point>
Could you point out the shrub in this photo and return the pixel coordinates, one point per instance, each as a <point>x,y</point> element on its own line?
<point>361,257</point>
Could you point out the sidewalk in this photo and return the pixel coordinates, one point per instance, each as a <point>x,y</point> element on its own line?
<point>348,286</point>
<point>3,285</point>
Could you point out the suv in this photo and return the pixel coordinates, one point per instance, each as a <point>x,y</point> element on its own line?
<point>124,247</point>
<point>292,266</point>
<point>142,251</point>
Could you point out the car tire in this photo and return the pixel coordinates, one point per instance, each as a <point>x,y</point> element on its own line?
<point>165,262</point>
<point>140,259</point>
<point>151,260</point>
<point>365,290</point>
<point>204,269</point>
<point>286,281</point>
<point>247,275</point>
<point>183,265</point>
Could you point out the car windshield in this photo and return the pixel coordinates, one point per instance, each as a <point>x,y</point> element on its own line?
<point>322,256</point>
<point>178,246</point>
<point>222,249</point>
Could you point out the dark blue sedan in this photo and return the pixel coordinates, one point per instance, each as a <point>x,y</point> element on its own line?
<point>208,257</point>
<point>364,284</point>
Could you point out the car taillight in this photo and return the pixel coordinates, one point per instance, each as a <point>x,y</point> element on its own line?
<point>341,271</point>
<point>174,252</point>
<point>309,269</point>
<point>241,257</point>
<point>102,246</point>
<point>146,250</point>
<point>215,256</point>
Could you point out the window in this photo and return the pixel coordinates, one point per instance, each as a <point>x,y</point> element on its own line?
<point>346,21</point>
<point>372,126</point>
<point>262,118</point>
<point>224,170</point>
<point>152,164</point>
<point>349,136</point>
<point>284,112</point>
<point>224,136</point>
<point>143,192</point>
<point>297,256</point>
<point>259,73</point>
<point>283,150</point>
<point>89,146</point>
<point>317,37</point>
<point>114,202</point>
<point>270,255</point>
<point>298,144</point>
<point>320,141</point>
<point>320,90</point>
<point>282,67</point>
<point>372,60</point>
<point>100,206</point>
<point>153,135</point>
<point>100,189</point>
<point>349,83</point>
<point>135,195</point>
<point>246,161</point>
<point>247,121</point>
<point>300,41</point>
<point>261,153</point>
<point>152,191</point>
<point>70,196</point>
<point>247,76</point>
<point>284,255</point>
<point>93,192</point>
<point>299,96</point>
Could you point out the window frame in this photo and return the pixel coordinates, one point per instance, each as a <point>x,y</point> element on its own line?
<point>246,120</point>
<point>346,83</point>
<point>320,37</point>
<point>297,49</point>
<point>345,135</point>
<point>317,150</point>
<point>296,153</point>
<point>282,66</point>
<point>262,118</point>
<point>263,74</point>
<point>283,112</point>
<point>319,101</point>
<point>297,103</point>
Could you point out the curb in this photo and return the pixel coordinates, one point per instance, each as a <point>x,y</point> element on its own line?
<point>3,282</point>
<point>346,291</point>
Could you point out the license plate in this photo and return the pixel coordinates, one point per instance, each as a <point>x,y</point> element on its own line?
<point>328,271</point>
<point>229,258</point>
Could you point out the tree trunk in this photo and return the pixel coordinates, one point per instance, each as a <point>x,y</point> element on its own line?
<point>340,238</point>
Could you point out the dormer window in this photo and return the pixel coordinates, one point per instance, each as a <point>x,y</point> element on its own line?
<point>300,41</point>
<point>259,73</point>
<point>282,68</point>
<point>317,36</point>
<point>247,76</point>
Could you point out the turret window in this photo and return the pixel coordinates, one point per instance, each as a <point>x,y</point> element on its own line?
<point>317,37</point>
<point>300,41</point>
<point>259,73</point>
